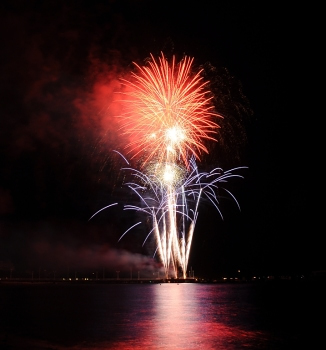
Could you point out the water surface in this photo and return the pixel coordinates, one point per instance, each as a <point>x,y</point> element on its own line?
<point>255,316</point>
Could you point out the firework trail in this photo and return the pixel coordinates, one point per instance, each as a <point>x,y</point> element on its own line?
<point>168,117</point>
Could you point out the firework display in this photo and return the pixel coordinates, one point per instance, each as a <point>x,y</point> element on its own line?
<point>169,116</point>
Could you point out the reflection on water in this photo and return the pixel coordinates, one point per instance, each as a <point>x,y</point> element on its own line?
<point>152,316</point>
<point>190,316</point>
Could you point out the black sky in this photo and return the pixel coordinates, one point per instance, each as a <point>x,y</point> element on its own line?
<point>60,62</point>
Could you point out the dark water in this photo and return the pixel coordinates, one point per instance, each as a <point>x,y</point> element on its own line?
<point>283,315</point>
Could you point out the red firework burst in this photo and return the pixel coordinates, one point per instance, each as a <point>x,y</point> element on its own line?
<point>169,111</point>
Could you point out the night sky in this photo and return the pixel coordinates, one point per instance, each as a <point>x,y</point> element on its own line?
<point>60,64</point>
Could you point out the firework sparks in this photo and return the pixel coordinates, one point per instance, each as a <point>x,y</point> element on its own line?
<point>168,118</point>
<point>169,112</point>
<point>174,209</point>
